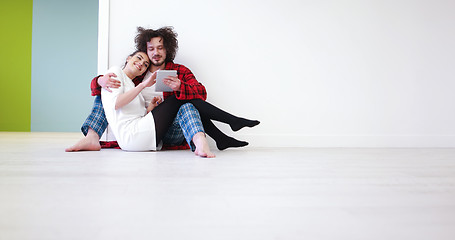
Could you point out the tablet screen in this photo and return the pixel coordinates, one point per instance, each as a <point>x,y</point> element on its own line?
<point>162,74</point>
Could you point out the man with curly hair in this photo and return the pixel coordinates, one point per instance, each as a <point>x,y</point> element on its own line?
<point>161,46</point>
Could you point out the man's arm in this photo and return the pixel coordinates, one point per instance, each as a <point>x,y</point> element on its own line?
<point>189,88</point>
<point>96,89</point>
<point>107,81</point>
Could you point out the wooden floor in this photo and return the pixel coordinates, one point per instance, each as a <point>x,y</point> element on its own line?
<point>249,193</point>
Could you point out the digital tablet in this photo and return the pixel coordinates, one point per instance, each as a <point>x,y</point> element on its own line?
<point>160,76</point>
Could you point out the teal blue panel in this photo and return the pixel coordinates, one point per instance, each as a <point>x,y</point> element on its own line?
<point>64,60</point>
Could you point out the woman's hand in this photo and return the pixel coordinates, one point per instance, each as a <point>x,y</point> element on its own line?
<point>155,101</point>
<point>149,81</point>
<point>128,96</point>
<point>108,81</point>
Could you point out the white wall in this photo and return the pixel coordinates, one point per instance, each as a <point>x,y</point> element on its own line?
<point>316,73</point>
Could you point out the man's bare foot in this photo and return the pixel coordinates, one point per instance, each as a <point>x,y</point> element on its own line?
<point>90,142</point>
<point>202,146</point>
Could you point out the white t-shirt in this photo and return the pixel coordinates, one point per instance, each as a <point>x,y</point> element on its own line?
<point>132,127</point>
<point>149,92</point>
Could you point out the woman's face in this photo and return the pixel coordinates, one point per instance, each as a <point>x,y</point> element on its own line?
<point>138,63</point>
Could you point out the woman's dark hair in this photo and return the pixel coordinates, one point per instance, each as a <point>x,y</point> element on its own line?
<point>166,33</point>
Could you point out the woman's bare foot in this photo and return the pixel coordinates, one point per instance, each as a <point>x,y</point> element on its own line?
<point>91,142</point>
<point>202,146</point>
<point>84,145</point>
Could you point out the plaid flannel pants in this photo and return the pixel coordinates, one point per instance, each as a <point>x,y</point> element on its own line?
<point>186,124</point>
<point>97,119</point>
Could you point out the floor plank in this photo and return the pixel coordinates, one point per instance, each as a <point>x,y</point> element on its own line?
<point>249,193</point>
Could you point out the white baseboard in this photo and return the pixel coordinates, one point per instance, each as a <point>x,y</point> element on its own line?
<point>348,141</point>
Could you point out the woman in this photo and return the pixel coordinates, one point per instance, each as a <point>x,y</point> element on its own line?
<point>138,128</point>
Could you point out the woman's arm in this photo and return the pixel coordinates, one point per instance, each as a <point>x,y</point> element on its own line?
<point>125,98</point>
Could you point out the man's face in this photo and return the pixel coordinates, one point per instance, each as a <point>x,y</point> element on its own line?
<point>156,51</point>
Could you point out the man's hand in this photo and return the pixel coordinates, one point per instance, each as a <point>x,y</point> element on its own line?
<point>173,82</point>
<point>107,81</point>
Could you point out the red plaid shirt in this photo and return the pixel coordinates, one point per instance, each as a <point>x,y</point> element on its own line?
<point>190,88</point>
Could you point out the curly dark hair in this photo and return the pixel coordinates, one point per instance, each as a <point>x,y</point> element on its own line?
<point>166,33</point>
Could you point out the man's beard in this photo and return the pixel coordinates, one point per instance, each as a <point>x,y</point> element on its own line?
<point>158,64</point>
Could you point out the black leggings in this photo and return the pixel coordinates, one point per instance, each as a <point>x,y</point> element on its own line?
<point>165,113</point>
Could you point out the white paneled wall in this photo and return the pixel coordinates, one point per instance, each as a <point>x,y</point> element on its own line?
<point>316,73</point>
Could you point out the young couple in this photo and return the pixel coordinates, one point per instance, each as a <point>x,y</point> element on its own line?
<point>139,117</point>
